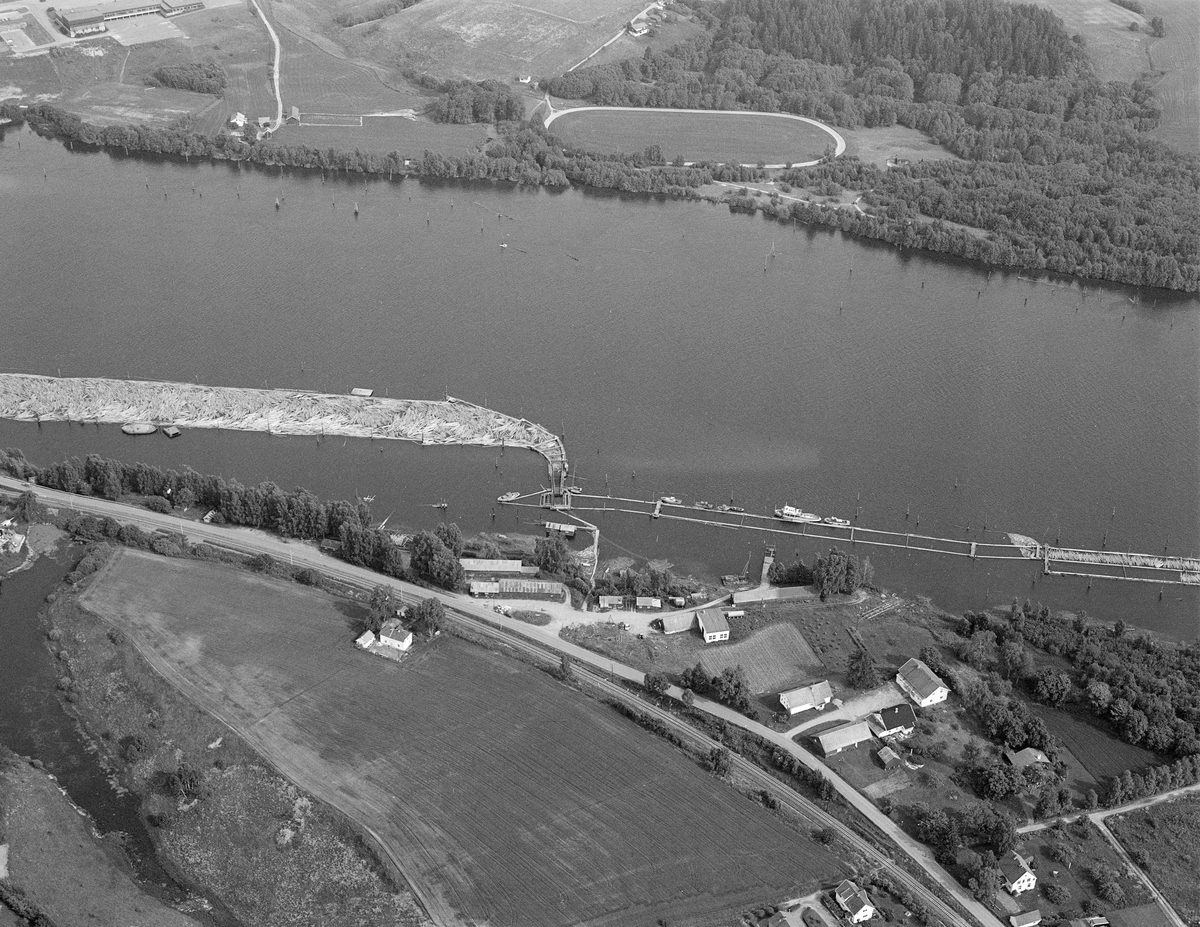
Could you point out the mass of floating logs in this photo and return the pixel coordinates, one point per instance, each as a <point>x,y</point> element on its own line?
<point>31,398</point>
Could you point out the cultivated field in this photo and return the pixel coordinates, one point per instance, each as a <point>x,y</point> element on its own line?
<point>746,139</point>
<point>1169,835</point>
<point>505,797</point>
<point>775,658</point>
<point>468,38</point>
<point>1102,754</point>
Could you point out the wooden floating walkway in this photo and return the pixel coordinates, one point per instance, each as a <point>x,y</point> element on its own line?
<point>31,398</point>
<point>1095,564</point>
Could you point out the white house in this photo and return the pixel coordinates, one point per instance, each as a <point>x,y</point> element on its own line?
<point>921,684</point>
<point>366,640</point>
<point>816,696</point>
<point>713,626</point>
<point>395,636</point>
<point>899,721</point>
<point>1026,919</point>
<point>854,901</point>
<point>239,120</point>
<point>1018,877</point>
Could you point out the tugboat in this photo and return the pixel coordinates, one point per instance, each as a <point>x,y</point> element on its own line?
<point>793,514</point>
<point>508,497</point>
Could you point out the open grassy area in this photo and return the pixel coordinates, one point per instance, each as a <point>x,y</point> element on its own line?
<point>877,145</point>
<point>746,139</point>
<point>384,134</point>
<point>504,796</point>
<point>775,658</point>
<point>1167,837</point>
<point>58,864</point>
<point>1100,752</point>
<point>468,38</point>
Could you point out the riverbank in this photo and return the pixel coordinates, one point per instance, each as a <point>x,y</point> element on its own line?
<point>58,866</point>
<point>217,811</point>
<point>529,155</point>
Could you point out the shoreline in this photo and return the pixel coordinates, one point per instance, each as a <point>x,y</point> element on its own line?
<point>644,180</point>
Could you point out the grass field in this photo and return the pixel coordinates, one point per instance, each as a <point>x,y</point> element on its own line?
<point>775,658</point>
<point>746,139</point>
<point>1102,754</point>
<point>1169,835</point>
<point>505,797</point>
<point>468,38</point>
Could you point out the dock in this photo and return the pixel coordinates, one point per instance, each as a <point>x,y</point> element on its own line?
<point>32,398</point>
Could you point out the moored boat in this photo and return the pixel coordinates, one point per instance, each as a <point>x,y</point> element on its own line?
<point>670,500</point>
<point>836,522</point>
<point>791,513</point>
<point>508,497</point>
<point>139,428</point>
<point>704,505</point>
<point>171,431</point>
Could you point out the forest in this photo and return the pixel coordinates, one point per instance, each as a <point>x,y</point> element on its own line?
<point>1057,166</point>
<point>197,76</point>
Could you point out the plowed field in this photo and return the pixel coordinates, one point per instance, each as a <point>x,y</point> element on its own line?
<point>504,797</point>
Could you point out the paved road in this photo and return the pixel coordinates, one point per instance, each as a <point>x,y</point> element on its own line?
<point>251,541</point>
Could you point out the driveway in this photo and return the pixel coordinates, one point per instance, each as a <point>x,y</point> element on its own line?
<point>853,710</point>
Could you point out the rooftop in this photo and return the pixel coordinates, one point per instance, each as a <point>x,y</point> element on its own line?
<point>898,716</point>
<point>855,732</point>
<point>678,621</point>
<point>712,621</point>
<point>1027,757</point>
<point>923,680</point>
<point>816,694</point>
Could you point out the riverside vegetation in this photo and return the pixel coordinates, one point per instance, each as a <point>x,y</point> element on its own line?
<point>1058,171</point>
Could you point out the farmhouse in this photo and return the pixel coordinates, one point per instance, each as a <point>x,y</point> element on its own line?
<point>842,738</point>
<point>1018,877</point>
<point>638,27</point>
<point>816,696</point>
<point>1026,919</point>
<point>1027,757</point>
<point>610,601</point>
<point>238,119</point>
<point>1089,922</point>
<point>494,567</point>
<point>713,626</point>
<point>899,721</point>
<point>677,622</point>
<point>854,901</point>
<point>393,635</point>
<point>921,684</point>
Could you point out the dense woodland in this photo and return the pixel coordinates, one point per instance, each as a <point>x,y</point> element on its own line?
<point>199,77</point>
<point>467,101</point>
<point>1057,166</point>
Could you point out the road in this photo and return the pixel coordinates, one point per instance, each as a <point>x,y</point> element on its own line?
<point>517,633</point>
<point>276,69</point>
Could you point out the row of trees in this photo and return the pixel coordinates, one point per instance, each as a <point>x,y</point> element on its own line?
<point>730,686</point>
<point>370,12</point>
<point>1130,786</point>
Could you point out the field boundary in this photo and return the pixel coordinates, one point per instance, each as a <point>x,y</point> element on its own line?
<point>839,141</point>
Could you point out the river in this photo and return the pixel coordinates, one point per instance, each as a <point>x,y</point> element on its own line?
<point>678,348</point>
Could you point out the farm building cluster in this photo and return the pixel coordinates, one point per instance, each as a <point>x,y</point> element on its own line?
<point>392,641</point>
<point>94,19</point>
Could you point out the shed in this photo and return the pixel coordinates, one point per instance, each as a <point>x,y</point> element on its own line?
<point>713,626</point>
<point>1026,919</point>
<point>610,601</point>
<point>531,589</point>
<point>293,118</point>
<point>477,565</point>
<point>817,695</point>
<point>647,601</point>
<point>922,684</point>
<point>1027,757</point>
<point>889,758</point>
<point>844,737</point>
<point>676,622</point>
<point>365,640</point>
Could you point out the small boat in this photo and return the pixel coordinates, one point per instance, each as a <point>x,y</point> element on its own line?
<point>670,500</point>
<point>171,431</point>
<point>704,505</point>
<point>793,514</point>
<point>139,428</point>
<point>508,496</point>
<point>836,522</point>
<point>362,392</point>
<point>723,508</point>
<point>574,489</point>
<point>503,245</point>
<point>736,509</point>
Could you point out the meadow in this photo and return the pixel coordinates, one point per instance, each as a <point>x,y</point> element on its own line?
<point>1167,837</point>
<point>1101,753</point>
<point>746,139</point>
<point>503,796</point>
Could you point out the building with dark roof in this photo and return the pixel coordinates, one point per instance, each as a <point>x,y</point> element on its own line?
<point>1018,877</point>
<point>713,626</point>
<point>677,622</point>
<point>899,721</point>
<point>854,901</point>
<point>921,684</point>
<point>1027,757</point>
<point>80,22</point>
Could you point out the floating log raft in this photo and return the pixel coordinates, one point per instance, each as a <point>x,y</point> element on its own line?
<point>31,398</point>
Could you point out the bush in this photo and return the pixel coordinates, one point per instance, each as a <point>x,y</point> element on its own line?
<point>1056,894</point>
<point>158,504</point>
<point>199,77</point>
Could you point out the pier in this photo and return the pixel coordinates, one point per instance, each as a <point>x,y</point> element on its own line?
<point>31,398</point>
<point>1055,561</point>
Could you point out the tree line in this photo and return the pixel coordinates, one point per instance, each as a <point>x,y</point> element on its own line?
<point>1057,167</point>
